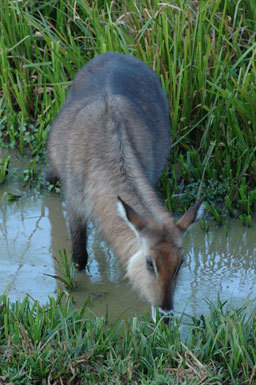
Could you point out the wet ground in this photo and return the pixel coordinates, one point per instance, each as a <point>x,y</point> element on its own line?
<point>33,228</point>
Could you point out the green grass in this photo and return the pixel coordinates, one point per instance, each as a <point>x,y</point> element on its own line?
<point>204,52</point>
<point>65,270</point>
<point>4,164</point>
<point>60,345</point>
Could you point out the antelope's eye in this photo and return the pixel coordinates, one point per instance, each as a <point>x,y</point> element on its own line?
<point>150,265</point>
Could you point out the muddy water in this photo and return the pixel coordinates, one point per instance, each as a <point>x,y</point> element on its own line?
<point>33,228</point>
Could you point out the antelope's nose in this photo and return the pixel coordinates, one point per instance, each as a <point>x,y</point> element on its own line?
<point>166,315</point>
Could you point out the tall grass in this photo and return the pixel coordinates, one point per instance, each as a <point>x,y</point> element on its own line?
<point>56,344</point>
<point>203,51</point>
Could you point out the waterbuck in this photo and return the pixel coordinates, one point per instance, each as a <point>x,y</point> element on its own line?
<point>108,147</point>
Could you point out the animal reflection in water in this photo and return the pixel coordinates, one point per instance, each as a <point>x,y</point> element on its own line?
<point>108,147</point>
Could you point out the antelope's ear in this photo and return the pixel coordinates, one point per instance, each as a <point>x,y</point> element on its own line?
<point>130,216</point>
<point>191,216</point>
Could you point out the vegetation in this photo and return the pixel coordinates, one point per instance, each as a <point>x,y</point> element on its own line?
<point>204,53</point>
<point>4,163</point>
<point>65,270</point>
<point>56,344</point>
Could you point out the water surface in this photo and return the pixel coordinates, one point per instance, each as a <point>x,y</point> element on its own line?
<point>33,228</point>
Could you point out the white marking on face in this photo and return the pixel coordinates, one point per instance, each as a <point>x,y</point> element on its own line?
<point>134,258</point>
<point>153,313</point>
<point>141,279</point>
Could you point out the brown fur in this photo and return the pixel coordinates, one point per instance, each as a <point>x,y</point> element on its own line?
<point>112,138</point>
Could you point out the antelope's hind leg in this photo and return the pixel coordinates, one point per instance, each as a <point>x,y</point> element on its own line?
<point>79,240</point>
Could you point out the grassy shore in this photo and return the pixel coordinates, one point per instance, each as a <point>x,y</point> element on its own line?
<point>204,53</point>
<point>56,344</point>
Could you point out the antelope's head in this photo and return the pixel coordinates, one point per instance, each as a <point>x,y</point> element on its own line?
<point>154,269</point>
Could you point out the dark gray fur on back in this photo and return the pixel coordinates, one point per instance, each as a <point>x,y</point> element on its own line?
<point>148,131</point>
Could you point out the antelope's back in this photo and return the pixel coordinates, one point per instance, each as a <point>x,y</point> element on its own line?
<point>115,102</point>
